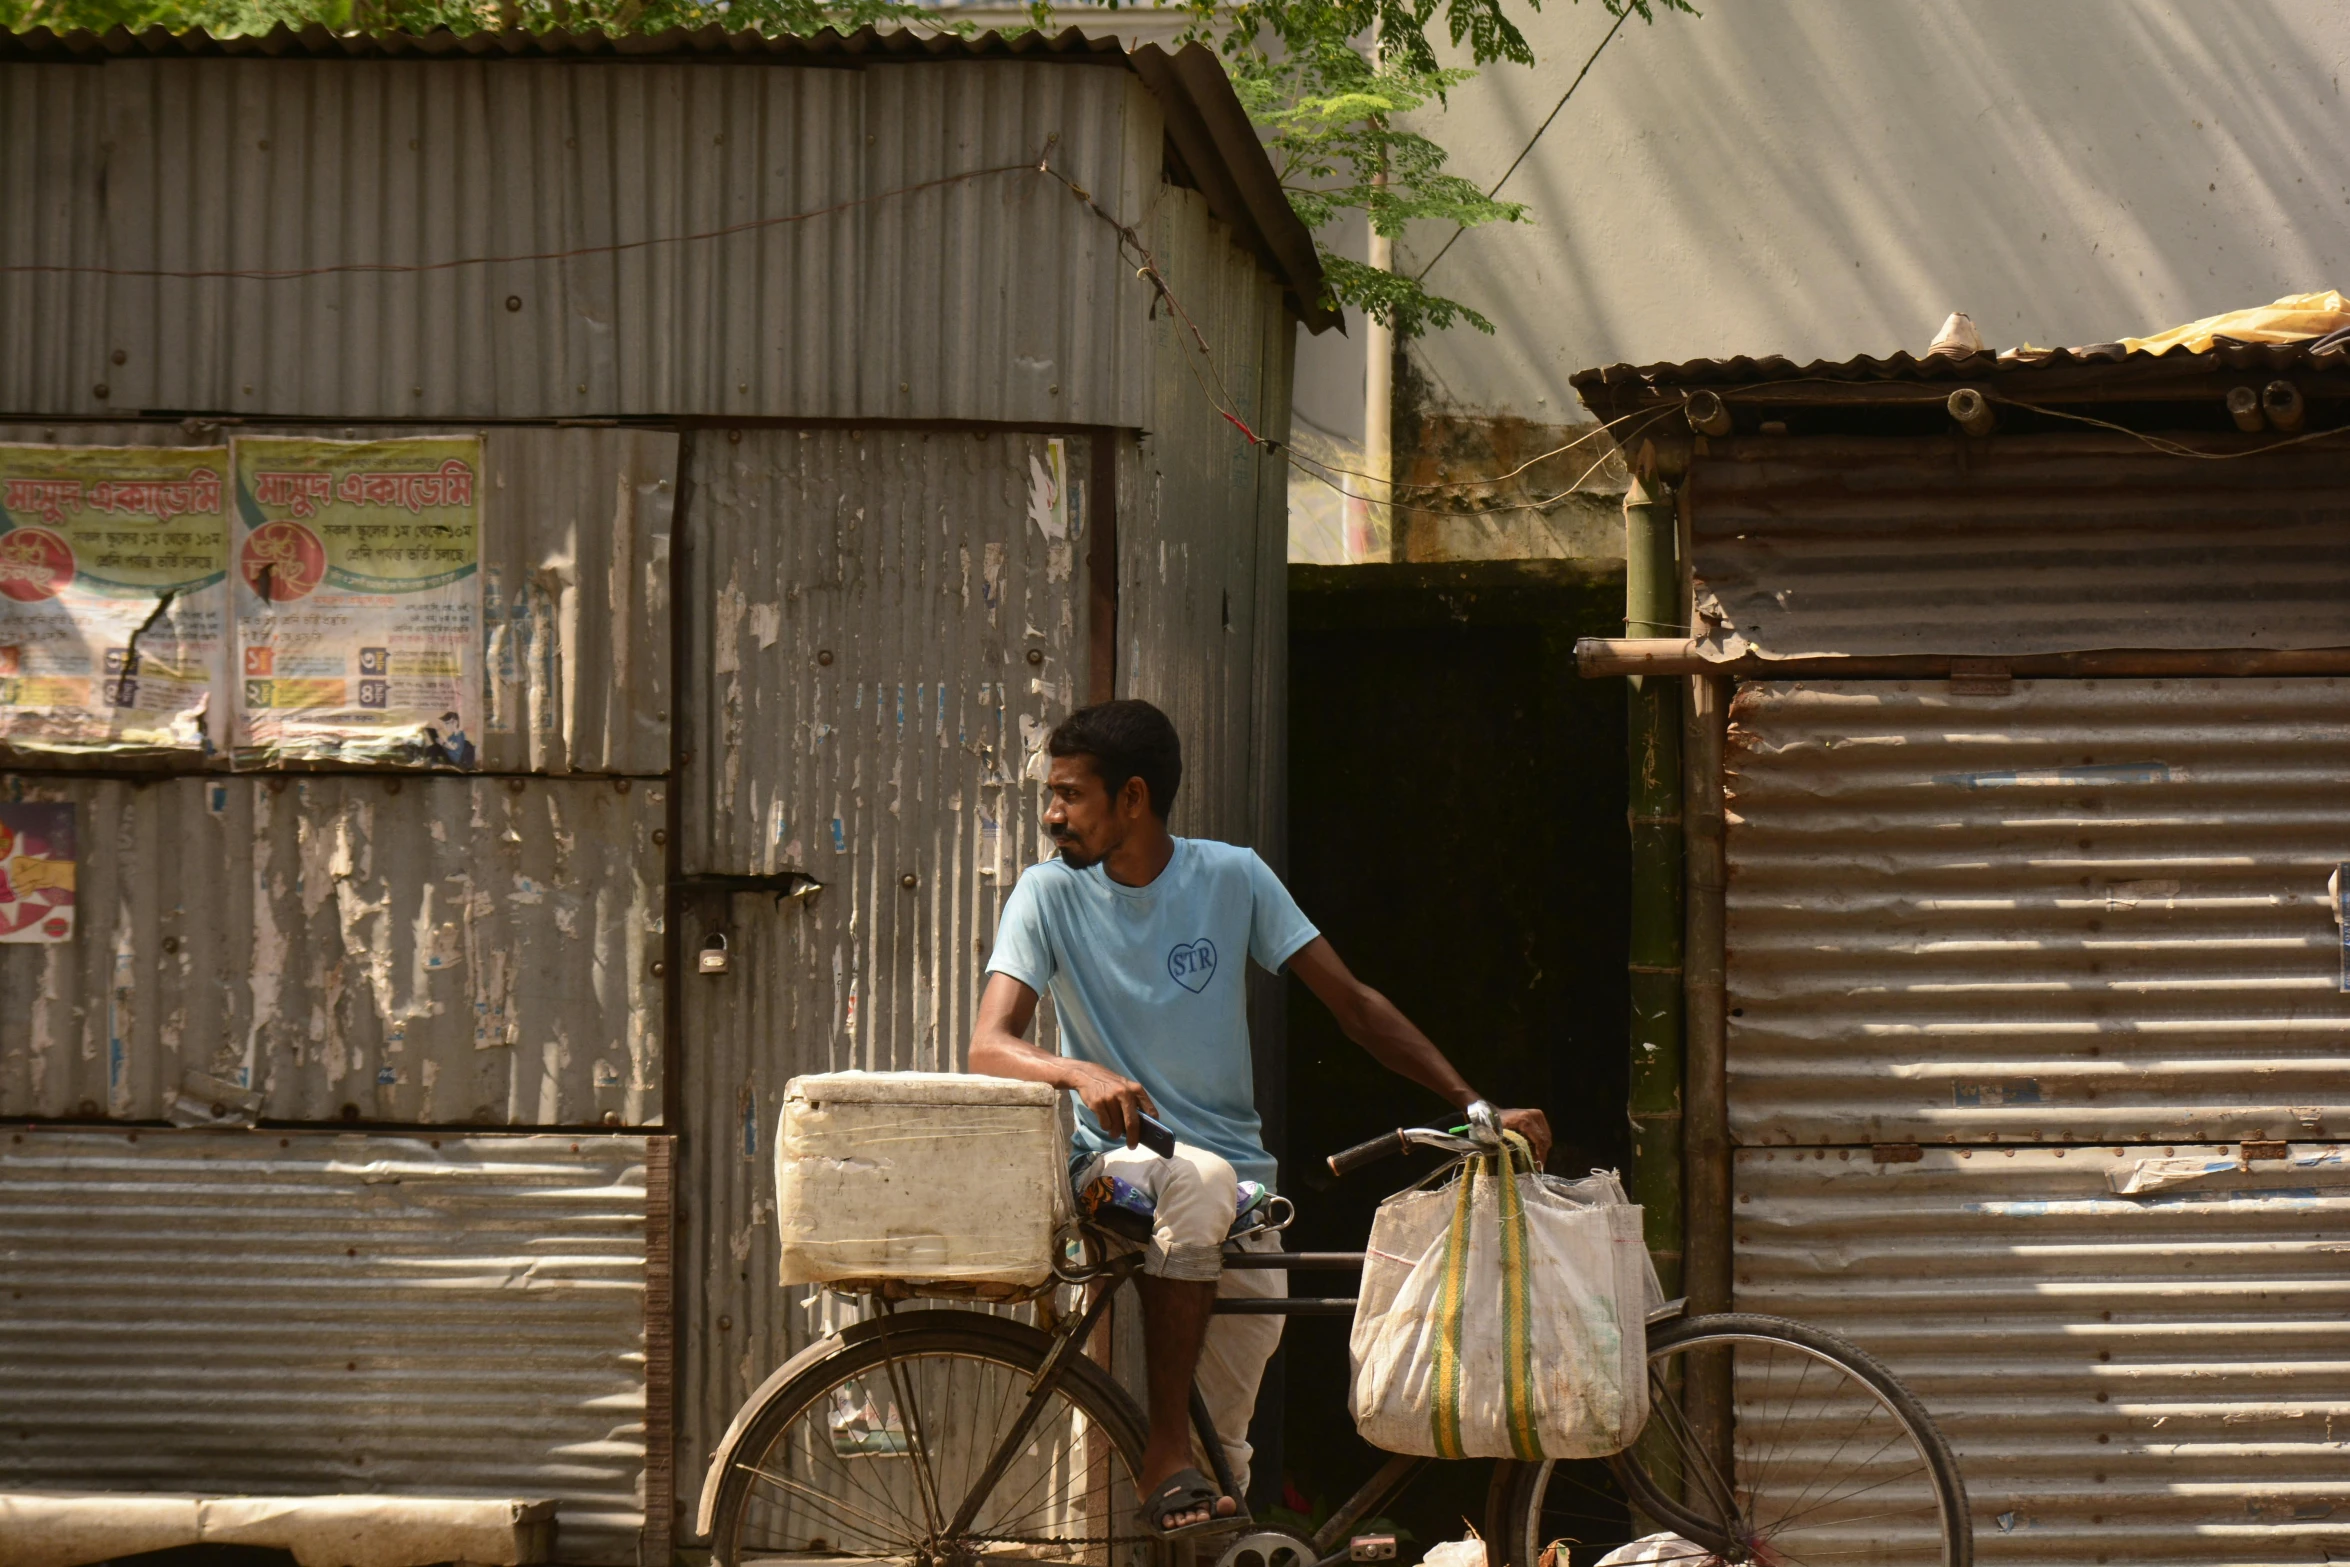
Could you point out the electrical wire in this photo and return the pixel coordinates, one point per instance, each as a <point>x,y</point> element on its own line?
<point>282,274</point>
<point>1219,395</point>
<point>1306,466</point>
<point>1459,229</point>
<point>2163,443</point>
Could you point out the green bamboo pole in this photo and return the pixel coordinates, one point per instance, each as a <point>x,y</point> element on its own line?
<point>1652,608</point>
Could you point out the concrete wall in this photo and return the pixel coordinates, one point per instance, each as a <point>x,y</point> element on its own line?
<point>1822,180</point>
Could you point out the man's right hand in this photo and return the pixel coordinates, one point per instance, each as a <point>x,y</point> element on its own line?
<point>1114,1100</point>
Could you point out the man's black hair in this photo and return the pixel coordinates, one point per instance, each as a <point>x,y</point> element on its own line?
<point>1126,739</point>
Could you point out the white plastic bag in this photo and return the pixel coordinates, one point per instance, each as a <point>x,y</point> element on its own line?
<point>1503,1318</point>
<point>1658,1550</point>
<point>1456,1553</point>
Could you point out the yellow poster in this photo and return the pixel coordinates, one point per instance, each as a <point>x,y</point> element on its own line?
<point>358,599</point>
<point>112,595</point>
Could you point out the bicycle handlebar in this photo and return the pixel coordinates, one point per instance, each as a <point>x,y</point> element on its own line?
<point>1388,1144</point>
<point>1385,1146</point>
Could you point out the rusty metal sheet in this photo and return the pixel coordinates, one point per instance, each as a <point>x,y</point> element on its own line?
<point>1203,585</point>
<point>884,628</point>
<point>874,546</point>
<point>575,584</point>
<point>2143,1377</point>
<point>52,210</point>
<point>862,708</point>
<point>1202,541</point>
<point>303,1312</point>
<point>344,946</point>
<point>2036,547</point>
<point>827,196</point>
<point>2083,910</point>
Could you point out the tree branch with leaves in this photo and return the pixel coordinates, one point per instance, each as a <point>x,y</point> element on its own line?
<point>1331,111</point>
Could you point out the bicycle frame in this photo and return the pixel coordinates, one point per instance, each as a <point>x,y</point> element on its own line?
<point>1105,1278</point>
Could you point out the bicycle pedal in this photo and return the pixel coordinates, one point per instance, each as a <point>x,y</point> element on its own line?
<point>1371,1548</point>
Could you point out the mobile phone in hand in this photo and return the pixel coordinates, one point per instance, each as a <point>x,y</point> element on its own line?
<point>1153,1134</point>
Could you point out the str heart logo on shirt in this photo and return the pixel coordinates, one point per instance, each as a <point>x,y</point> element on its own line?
<point>1192,964</point>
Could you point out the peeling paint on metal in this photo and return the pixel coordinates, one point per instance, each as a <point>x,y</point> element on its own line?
<point>307,934</point>
<point>579,682</point>
<point>239,1313</point>
<point>2134,949</point>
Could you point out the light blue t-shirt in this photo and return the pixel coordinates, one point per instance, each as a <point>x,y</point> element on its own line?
<point>1151,982</point>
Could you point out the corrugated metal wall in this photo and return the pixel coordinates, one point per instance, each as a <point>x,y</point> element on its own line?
<point>430,950</point>
<point>1203,602</point>
<point>302,1312</point>
<point>50,217</point>
<point>909,556</point>
<point>864,609</point>
<point>2089,916</point>
<point>1202,631</point>
<point>289,166</point>
<point>575,583</point>
<point>2046,544</point>
<point>2088,911</point>
<point>2144,1378</point>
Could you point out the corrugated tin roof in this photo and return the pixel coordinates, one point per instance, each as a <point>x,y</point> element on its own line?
<point>2099,370</point>
<point>321,43</point>
<point>1212,136</point>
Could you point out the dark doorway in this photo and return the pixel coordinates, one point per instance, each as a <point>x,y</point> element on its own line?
<point>1456,828</point>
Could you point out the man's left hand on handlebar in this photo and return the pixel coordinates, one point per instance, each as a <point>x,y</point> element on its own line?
<point>1533,1126</point>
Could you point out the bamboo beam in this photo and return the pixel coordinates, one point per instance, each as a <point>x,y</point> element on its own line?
<point>1653,603</point>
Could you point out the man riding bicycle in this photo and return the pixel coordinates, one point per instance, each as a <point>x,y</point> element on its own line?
<point>1139,936</point>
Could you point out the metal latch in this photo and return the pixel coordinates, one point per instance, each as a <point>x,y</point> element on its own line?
<point>712,959</point>
<point>1371,1548</point>
<point>2265,1150</point>
<point>1896,1153</point>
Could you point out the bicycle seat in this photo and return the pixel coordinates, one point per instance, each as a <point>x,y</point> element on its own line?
<point>1119,1207</point>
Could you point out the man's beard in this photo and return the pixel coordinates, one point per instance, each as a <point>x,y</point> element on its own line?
<point>1074,856</point>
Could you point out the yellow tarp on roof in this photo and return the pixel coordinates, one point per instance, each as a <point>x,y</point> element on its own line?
<point>2292,319</point>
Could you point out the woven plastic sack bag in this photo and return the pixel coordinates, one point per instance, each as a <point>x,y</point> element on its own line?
<point>1503,1315</point>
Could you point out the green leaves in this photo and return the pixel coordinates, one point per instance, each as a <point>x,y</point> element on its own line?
<point>1329,112</point>
<point>231,17</point>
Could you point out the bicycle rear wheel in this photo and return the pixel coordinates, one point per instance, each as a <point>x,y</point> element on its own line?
<point>865,1458</point>
<point>1821,1458</point>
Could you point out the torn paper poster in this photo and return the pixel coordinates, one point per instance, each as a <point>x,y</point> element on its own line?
<point>36,872</point>
<point>2152,1175</point>
<point>358,600</point>
<point>113,562</point>
<point>1048,491</point>
<point>2334,895</point>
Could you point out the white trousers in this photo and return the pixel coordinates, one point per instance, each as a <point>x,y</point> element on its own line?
<point>1195,1193</point>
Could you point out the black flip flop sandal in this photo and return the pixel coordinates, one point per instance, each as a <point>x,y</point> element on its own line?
<point>1187,1490</point>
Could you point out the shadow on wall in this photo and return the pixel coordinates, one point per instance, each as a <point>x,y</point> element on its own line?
<point>1781,178</point>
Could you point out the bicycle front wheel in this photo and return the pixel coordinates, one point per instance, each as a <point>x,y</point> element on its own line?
<point>1768,1442</point>
<point>869,1455</point>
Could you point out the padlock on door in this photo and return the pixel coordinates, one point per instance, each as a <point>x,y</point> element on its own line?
<point>713,958</point>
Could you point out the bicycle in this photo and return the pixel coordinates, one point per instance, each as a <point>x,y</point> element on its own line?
<point>951,1437</point>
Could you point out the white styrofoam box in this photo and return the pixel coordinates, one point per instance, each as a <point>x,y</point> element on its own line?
<point>943,1177</point>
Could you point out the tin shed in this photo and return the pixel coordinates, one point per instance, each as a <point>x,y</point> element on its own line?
<point>848,410</point>
<point>2018,1015</point>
